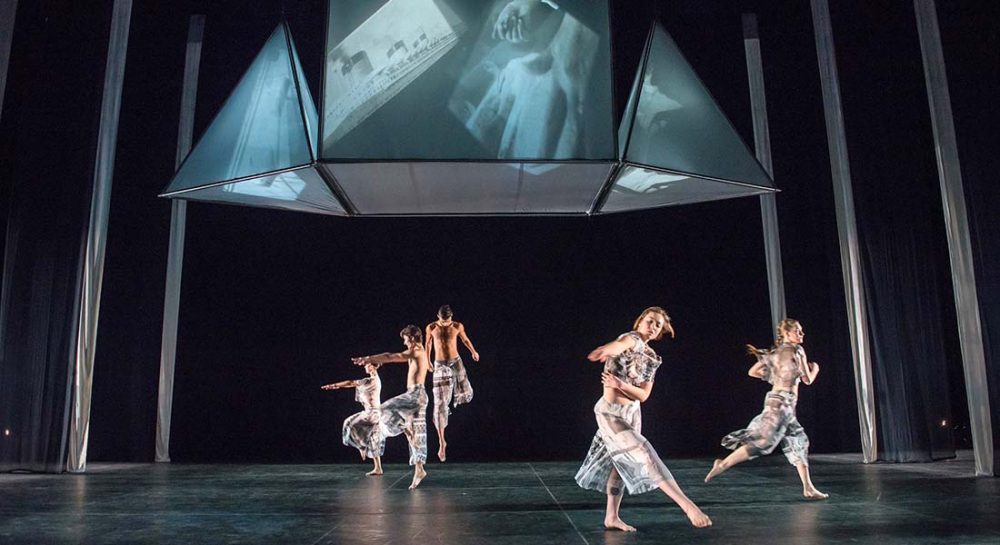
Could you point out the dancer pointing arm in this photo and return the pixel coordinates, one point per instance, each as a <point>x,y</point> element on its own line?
<point>362,430</point>
<point>407,413</point>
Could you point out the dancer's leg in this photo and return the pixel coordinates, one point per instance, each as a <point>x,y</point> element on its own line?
<point>377,469</point>
<point>694,513</point>
<point>737,456</point>
<point>808,489</point>
<point>616,489</point>
<point>418,475</point>
<point>444,390</point>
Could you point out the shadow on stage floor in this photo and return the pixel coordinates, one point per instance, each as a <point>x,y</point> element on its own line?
<point>508,503</point>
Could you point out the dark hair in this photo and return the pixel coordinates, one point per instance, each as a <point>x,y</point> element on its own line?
<point>445,312</point>
<point>412,332</point>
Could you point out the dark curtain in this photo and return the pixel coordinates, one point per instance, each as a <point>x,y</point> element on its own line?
<point>900,227</point>
<point>971,42</point>
<point>904,312</point>
<point>48,146</point>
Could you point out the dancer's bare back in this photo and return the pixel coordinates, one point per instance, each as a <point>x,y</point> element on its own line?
<point>445,336</point>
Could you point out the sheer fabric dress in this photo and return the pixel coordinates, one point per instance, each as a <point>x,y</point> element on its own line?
<point>619,443</point>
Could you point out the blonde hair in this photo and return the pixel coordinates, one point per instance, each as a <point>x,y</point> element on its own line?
<point>666,321</point>
<point>784,326</point>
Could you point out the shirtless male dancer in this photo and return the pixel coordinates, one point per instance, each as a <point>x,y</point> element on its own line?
<point>407,412</point>
<point>451,383</point>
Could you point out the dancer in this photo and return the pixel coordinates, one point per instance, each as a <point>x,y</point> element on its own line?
<point>407,412</point>
<point>451,383</point>
<point>620,458</point>
<point>783,366</point>
<point>363,430</point>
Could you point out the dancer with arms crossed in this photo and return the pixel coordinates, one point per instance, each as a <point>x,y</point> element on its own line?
<point>620,458</point>
<point>784,366</point>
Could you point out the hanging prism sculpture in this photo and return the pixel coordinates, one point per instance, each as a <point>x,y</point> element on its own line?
<point>414,124</point>
<point>675,144</point>
<point>260,150</point>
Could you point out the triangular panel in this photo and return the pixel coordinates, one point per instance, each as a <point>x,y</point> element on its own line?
<point>677,126</point>
<point>302,190</point>
<point>308,106</point>
<point>260,128</point>
<point>638,188</point>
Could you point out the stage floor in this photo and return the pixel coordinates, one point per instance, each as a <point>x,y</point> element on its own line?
<point>504,503</point>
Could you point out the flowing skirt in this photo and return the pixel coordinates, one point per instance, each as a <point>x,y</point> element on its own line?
<point>619,445</point>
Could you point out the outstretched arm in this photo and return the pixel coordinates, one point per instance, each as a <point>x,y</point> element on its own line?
<point>341,384</point>
<point>384,357</point>
<point>612,349</point>
<point>467,342</point>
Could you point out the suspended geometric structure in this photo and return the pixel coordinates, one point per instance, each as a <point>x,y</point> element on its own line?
<point>505,138</point>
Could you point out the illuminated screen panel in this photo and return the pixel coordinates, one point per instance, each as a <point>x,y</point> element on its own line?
<point>678,126</point>
<point>302,190</point>
<point>490,188</point>
<point>467,79</point>
<point>637,188</point>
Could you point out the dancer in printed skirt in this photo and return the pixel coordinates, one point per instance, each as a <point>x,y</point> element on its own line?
<point>783,366</point>
<point>363,430</point>
<point>451,383</point>
<point>620,458</point>
<point>407,413</point>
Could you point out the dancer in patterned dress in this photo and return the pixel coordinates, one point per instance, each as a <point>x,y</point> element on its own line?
<point>363,430</point>
<point>783,366</point>
<point>620,458</point>
<point>407,413</point>
<point>451,382</point>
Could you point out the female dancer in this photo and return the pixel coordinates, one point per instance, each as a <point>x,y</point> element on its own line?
<point>783,366</point>
<point>619,454</point>
<point>363,430</point>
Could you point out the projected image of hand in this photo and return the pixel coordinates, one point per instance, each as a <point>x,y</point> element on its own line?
<point>519,19</point>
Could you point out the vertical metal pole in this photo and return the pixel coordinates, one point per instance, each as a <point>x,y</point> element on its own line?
<point>762,147</point>
<point>956,223</point>
<point>94,245</point>
<point>850,256</point>
<point>8,11</point>
<point>175,255</point>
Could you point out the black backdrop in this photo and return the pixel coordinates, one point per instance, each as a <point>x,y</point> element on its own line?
<point>273,303</point>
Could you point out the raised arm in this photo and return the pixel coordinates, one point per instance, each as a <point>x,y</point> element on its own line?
<point>612,349</point>
<point>467,342</point>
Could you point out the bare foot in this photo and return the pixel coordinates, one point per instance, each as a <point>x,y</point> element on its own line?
<point>441,451</point>
<point>418,475</point>
<point>697,518</point>
<point>374,473</point>
<point>717,468</point>
<point>813,494</point>
<point>618,524</point>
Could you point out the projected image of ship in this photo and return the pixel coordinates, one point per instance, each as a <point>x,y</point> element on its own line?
<point>381,57</point>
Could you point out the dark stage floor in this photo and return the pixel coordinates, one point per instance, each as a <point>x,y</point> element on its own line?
<point>510,503</point>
